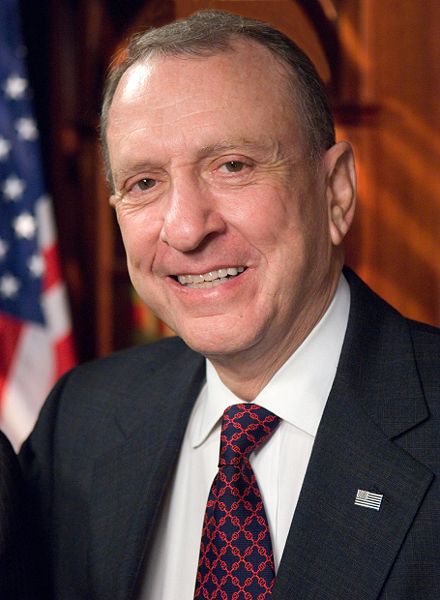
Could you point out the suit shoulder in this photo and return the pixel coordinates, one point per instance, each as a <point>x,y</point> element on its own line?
<point>94,392</point>
<point>145,356</point>
<point>103,384</point>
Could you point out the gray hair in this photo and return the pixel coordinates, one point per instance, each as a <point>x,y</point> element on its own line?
<point>208,32</point>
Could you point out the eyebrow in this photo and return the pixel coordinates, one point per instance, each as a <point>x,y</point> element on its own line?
<point>204,152</point>
<point>134,168</point>
<point>228,145</point>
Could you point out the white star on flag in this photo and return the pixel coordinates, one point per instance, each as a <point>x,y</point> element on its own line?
<point>9,285</point>
<point>13,188</point>
<point>36,265</point>
<point>15,87</point>
<point>26,129</point>
<point>5,148</point>
<point>3,249</point>
<point>25,226</point>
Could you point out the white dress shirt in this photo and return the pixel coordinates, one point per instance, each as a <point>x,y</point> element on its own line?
<point>297,393</point>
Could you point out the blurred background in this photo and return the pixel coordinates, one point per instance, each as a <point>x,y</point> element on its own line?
<point>381,62</point>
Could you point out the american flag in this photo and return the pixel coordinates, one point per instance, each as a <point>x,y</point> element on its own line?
<point>35,334</point>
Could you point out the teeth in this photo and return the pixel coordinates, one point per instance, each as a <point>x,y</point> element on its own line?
<point>210,279</point>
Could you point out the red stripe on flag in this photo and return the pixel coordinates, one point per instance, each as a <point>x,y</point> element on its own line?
<point>64,355</point>
<point>10,330</point>
<point>52,273</point>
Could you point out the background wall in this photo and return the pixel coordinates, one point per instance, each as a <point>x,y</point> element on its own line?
<point>395,246</point>
<point>381,60</point>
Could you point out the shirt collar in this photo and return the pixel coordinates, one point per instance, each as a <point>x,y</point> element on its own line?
<point>298,391</point>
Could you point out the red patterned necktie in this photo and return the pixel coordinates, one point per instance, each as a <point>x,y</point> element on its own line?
<point>236,557</point>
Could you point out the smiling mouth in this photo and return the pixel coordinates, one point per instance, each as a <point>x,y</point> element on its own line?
<point>210,279</point>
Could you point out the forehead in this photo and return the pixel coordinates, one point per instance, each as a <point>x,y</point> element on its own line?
<point>247,66</point>
<point>244,58</point>
<point>244,89</point>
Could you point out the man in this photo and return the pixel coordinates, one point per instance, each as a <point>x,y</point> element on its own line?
<point>233,201</point>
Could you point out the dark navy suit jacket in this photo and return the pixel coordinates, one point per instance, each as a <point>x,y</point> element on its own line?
<point>103,451</point>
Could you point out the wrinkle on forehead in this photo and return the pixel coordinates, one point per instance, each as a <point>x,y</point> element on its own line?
<point>263,149</point>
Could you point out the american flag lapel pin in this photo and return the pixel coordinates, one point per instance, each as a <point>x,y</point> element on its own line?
<point>368,499</point>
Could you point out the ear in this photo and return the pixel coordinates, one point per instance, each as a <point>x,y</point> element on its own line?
<point>340,189</point>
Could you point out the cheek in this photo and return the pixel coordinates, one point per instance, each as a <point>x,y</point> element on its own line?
<point>276,226</point>
<point>140,236</point>
<point>263,212</point>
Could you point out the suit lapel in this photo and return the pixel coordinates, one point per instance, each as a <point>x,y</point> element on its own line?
<point>336,549</point>
<point>131,479</point>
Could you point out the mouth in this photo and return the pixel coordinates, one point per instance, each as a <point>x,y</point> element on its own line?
<point>210,279</point>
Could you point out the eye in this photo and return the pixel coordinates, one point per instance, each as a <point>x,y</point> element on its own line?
<point>145,184</point>
<point>233,166</point>
<point>140,192</point>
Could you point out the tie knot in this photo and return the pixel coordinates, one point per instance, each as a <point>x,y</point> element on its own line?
<point>245,427</point>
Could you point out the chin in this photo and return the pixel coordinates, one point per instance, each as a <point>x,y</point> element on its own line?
<point>221,334</point>
<point>216,344</point>
<point>209,347</point>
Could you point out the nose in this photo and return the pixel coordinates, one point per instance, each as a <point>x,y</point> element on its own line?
<point>191,215</point>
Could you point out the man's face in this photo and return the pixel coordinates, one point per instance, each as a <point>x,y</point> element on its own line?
<point>222,213</point>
